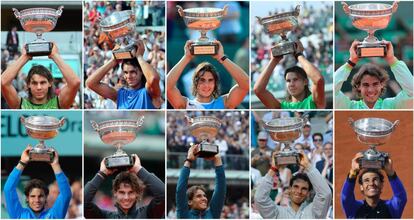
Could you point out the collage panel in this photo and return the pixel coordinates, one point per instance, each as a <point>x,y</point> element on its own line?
<point>124,54</point>
<point>291,55</point>
<point>208,44</point>
<point>373,164</point>
<point>124,170</point>
<point>292,165</point>
<point>41,59</point>
<point>208,164</point>
<point>41,164</point>
<point>374,55</point>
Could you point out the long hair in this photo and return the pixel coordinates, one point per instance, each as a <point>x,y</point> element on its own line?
<point>134,62</point>
<point>371,70</point>
<point>41,71</point>
<point>131,179</point>
<point>301,74</point>
<point>201,69</point>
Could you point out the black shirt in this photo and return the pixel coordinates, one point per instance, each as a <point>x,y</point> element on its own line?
<point>380,211</point>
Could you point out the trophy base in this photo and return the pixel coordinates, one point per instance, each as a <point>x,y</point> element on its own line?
<point>371,164</point>
<point>373,50</point>
<point>287,159</point>
<point>124,53</point>
<point>205,48</point>
<point>119,161</point>
<point>39,48</point>
<point>47,156</point>
<point>206,150</point>
<point>373,159</point>
<point>283,48</point>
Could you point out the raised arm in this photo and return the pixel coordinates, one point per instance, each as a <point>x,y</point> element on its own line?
<point>174,96</point>
<point>90,208</point>
<point>318,83</point>
<point>348,201</point>
<point>94,81</point>
<point>61,205</point>
<point>341,75</point>
<point>150,74</point>
<point>156,208</point>
<point>7,89</point>
<point>238,91</point>
<point>265,96</point>
<point>399,198</point>
<point>219,194</point>
<point>182,185</point>
<point>14,208</point>
<point>68,92</point>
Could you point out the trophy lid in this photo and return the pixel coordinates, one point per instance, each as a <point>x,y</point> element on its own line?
<point>38,19</point>
<point>42,123</point>
<point>373,126</point>
<point>203,18</point>
<point>204,127</point>
<point>281,22</point>
<point>284,124</point>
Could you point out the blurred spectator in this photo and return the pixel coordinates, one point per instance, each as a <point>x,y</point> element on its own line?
<point>12,41</point>
<point>261,156</point>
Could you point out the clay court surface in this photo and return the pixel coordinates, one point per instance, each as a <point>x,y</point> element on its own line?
<point>400,146</point>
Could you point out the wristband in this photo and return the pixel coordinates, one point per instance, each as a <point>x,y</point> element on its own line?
<point>274,168</point>
<point>298,54</point>
<point>103,175</point>
<point>351,63</point>
<point>22,163</point>
<point>223,58</point>
<point>190,161</point>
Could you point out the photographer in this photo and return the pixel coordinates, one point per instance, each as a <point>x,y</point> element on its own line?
<point>371,183</point>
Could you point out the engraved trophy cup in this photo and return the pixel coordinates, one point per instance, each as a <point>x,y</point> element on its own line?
<point>42,128</point>
<point>285,130</point>
<point>370,17</point>
<point>203,20</point>
<point>118,133</point>
<point>373,132</point>
<point>120,27</point>
<point>205,128</point>
<point>281,24</point>
<point>39,21</point>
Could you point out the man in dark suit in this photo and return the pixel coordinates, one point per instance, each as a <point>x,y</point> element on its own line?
<point>325,165</point>
<point>12,41</point>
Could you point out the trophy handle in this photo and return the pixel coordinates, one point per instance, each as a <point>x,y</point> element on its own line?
<point>59,11</point>
<point>345,6</point>
<point>180,10</point>
<point>259,19</point>
<point>305,118</point>
<point>297,10</point>
<point>23,120</point>
<point>189,119</point>
<point>16,13</point>
<point>394,6</point>
<point>140,121</point>
<point>395,124</point>
<point>225,9</point>
<point>95,125</point>
<point>62,121</point>
<point>351,122</point>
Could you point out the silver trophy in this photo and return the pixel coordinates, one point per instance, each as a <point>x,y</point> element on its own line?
<point>280,24</point>
<point>203,20</point>
<point>205,128</point>
<point>42,128</point>
<point>285,130</point>
<point>373,132</point>
<point>120,27</point>
<point>118,133</point>
<point>370,17</point>
<point>39,21</point>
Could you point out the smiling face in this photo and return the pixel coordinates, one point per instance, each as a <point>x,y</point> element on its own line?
<point>125,196</point>
<point>39,87</point>
<point>299,191</point>
<point>371,185</point>
<point>132,76</point>
<point>199,201</point>
<point>206,85</point>
<point>36,199</point>
<point>295,84</point>
<point>370,89</point>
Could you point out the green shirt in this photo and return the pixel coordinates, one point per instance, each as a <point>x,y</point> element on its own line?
<point>53,103</point>
<point>307,103</point>
<point>403,100</point>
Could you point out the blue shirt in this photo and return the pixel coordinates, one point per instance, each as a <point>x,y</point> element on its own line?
<point>214,104</point>
<point>134,99</point>
<point>395,205</point>
<point>15,209</point>
<point>216,203</point>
